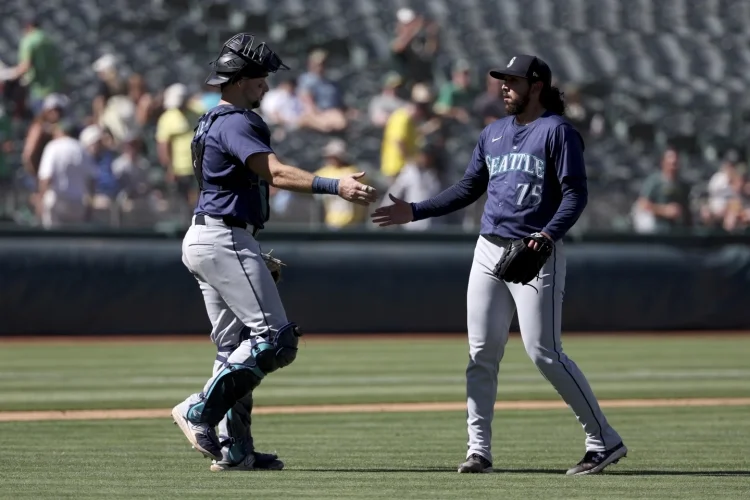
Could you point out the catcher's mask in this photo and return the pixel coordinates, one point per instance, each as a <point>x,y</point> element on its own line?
<point>239,58</point>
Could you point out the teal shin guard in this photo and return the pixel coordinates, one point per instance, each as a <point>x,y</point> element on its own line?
<point>231,384</point>
<point>240,440</point>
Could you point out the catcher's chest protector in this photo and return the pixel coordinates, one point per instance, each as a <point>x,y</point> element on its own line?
<point>242,179</point>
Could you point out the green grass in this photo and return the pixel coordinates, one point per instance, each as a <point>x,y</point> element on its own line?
<point>155,375</point>
<point>674,453</point>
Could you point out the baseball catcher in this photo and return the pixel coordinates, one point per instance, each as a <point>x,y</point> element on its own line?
<point>235,167</point>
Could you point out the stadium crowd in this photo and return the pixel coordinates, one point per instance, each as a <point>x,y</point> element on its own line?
<point>127,161</point>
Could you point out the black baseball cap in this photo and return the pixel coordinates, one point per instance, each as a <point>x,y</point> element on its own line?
<point>525,66</point>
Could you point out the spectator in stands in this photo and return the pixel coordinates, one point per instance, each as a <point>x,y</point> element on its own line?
<point>66,180</point>
<point>414,48</point>
<point>6,170</point>
<point>457,95</point>
<point>574,109</point>
<point>387,101</point>
<point>721,191</point>
<point>38,66</point>
<point>110,84</point>
<point>489,106</point>
<point>131,168</point>
<point>664,204</point>
<point>106,187</point>
<point>321,98</point>
<point>339,213</point>
<point>174,133</point>
<point>128,113</point>
<point>737,216</point>
<point>420,179</point>
<point>281,105</point>
<point>142,99</point>
<point>401,136</point>
<point>41,130</point>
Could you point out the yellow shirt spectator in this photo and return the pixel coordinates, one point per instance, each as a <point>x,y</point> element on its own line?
<point>176,127</point>
<point>339,212</point>
<point>399,142</point>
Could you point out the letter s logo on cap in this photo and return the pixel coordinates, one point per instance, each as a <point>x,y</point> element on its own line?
<point>511,63</point>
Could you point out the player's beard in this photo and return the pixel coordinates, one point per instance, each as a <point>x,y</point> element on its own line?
<point>518,105</point>
<point>253,99</point>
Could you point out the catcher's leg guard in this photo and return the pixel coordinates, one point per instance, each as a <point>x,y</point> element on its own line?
<point>244,371</point>
<point>229,385</point>
<point>237,438</point>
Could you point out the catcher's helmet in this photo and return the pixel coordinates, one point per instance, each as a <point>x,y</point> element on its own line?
<point>238,58</point>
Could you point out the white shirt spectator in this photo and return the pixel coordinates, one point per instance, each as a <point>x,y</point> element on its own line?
<point>68,168</point>
<point>720,192</point>
<point>280,106</point>
<point>70,171</point>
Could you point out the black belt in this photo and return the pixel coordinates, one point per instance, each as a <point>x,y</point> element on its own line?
<point>228,220</point>
<point>497,240</point>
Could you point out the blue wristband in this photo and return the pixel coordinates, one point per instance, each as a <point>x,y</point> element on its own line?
<point>325,185</point>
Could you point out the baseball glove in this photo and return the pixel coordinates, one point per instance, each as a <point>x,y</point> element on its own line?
<point>521,264</point>
<point>274,265</point>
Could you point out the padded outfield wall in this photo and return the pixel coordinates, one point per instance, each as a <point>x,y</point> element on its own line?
<point>365,282</point>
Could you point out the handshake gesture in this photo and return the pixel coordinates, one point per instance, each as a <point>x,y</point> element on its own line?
<point>354,191</point>
<point>398,213</point>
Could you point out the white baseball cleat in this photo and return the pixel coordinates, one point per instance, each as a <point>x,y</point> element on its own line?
<point>202,436</point>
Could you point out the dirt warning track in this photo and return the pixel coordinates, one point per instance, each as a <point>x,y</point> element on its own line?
<point>30,416</point>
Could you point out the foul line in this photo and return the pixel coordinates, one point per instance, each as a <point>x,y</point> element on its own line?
<point>29,416</point>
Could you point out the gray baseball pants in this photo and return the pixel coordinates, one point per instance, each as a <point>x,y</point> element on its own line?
<point>491,304</point>
<point>242,302</point>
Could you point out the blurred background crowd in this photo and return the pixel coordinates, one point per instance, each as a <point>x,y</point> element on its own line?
<point>99,99</point>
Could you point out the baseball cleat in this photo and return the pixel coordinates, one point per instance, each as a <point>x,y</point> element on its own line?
<point>202,436</point>
<point>253,461</point>
<point>475,464</point>
<point>595,461</point>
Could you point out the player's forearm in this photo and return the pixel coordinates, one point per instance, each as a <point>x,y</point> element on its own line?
<point>458,196</point>
<point>300,181</point>
<point>291,178</point>
<point>574,200</point>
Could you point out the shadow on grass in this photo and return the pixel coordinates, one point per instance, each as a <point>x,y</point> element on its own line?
<point>556,472</point>
<point>451,470</point>
<point>647,472</point>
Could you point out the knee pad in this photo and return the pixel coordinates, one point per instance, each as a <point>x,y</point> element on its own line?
<point>233,383</point>
<point>279,351</point>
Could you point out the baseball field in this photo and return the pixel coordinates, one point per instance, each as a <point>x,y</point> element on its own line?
<point>374,417</point>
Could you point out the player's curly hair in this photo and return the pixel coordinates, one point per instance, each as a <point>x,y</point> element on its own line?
<point>552,99</point>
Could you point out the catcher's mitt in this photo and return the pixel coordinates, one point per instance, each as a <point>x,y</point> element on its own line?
<point>521,264</point>
<point>274,265</point>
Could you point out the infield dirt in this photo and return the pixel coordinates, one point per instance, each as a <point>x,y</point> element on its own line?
<point>29,416</point>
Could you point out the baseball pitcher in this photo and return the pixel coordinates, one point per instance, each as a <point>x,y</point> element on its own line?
<point>235,165</point>
<point>531,165</point>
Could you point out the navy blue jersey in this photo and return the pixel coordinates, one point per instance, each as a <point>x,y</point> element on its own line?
<point>534,176</point>
<point>229,187</point>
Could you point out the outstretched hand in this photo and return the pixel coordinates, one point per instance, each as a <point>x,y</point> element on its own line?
<point>354,191</point>
<point>398,213</point>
